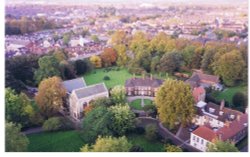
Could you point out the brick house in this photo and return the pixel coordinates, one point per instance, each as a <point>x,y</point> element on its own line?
<point>142,86</point>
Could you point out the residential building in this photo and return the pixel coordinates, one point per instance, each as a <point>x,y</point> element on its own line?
<point>199,94</point>
<point>142,86</point>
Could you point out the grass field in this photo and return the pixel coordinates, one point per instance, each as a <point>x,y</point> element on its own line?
<point>228,93</point>
<point>116,77</point>
<point>136,104</point>
<point>148,146</point>
<point>67,141</point>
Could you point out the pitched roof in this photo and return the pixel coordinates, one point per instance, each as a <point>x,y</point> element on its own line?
<point>147,82</point>
<point>197,92</point>
<point>205,133</point>
<point>73,84</point>
<point>90,90</point>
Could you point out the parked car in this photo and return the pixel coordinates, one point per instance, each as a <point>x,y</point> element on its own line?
<point>193,127</point>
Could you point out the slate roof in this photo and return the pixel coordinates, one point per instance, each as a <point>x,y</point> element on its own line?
<point>146,82</point>
<point>90,90</point>
<point>73,84</point>
<point>199,77</point>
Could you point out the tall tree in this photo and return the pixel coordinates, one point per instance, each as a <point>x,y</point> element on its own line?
<point>119,37</point>
<point>82,66</point>
<point>122,119</point>
<point>18,108</point>
<point>170,62</point>
<point>101,118</point>
<point>108,144</point>
<point>118,94</point>
<point>122,57</point>
<point>174,103</point>
<point>50,96</point>
<point>223,67</point>
<point>220,146</point>
<point>15,141</point>
<point>48,67</point>
<point>108,56</point>
<point>67,70</point>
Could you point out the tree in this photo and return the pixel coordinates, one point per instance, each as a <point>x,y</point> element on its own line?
<point>151,132</point>
<point>108,144</point>
<point>220,146</point>
<point>175,103</point>
<point>15,141</point>
<point>118,94</point>
<point>240,100</point>
<point>52,124</point>
<point>96,61</point>
<point>18,108</point>
<point>67,70</point>
<point>122,57</point>
<point>170,62</point>
<point>119,37</point>
<point>48,67</point>
<point>188,54</point>
<point>50,96</point>
<point>122,119</point>
<point>223,67</point>
<point>173,148</point>
<point>100,117</point>
<point>108,56</point>
<point>66,38</point>
<point>95,38</point>
<point>82,66</point>
<point>154,66</point>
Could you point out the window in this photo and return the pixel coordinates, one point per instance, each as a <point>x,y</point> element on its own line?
<point>193,137</point>
<point>197,140</point>
<point>201,141</point>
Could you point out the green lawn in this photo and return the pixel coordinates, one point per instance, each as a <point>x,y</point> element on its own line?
<point>228,93</point>
<point>148,146</point>
<point>66,141</point>
<point>136,104</point>
<point>116,77</point>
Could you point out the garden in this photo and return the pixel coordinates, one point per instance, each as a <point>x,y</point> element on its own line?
<point>137,104</point>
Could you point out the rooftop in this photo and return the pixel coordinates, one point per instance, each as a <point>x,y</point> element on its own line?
<point>73,84</point>
<point>152,82</point>
<point>90,90</point>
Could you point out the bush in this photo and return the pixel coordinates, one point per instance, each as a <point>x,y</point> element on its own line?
<point>66,124</point>
<point>151,132</point>
<point>52,124</point>
<point>239,100</point>
<point>139,130</point>
<point>106,78</point>
<point>136,148</point>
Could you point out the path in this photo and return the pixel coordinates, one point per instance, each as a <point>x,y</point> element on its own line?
<point>166,134</point>
<point>132,98</point>
<point>33,130</point>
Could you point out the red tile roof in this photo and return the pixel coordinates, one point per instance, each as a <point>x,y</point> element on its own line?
<point>205,132</point>
<point>197,92</point>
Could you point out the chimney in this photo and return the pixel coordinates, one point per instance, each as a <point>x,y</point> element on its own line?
<point>227,124</point>
<point>222,104</point>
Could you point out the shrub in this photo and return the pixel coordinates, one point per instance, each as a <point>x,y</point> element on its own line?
<point>151,132</point>
<point>139,130</point>
<point>106,78</point>
<point>239,100</point>
<point>66,124</point>
<point>52,124</point>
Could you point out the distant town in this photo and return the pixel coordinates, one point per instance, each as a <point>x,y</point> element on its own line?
<point>167,77</point>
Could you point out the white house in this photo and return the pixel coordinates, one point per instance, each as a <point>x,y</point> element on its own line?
<point>80,98</point>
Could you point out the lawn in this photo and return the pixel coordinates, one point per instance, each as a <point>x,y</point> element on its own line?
<point>136,104</point>
<point>117,77</point>
<point>148,146</point>
<point>67,141</point>
<point>228,93</point>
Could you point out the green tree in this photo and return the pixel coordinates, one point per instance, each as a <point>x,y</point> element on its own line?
<point>220,146</point>
<point>118,94</point>
<point>18,108</point>
<point>122,119</point>
<point>119,37</point>
<point>108,144</point>
<point>52,124</point>
<point>50,96</point>
<point>48,67</point>
<point>67,70</point>
<point>170,62</point>
<point>240,100</point>
<point>66,38</point>
<point>173,148</point>
<point>100,117</point>
<point>151,132</point>
<point>15,141</point>
<point>175,103</point>
<point>188,54</point>
<point>155,63</point>
<point>96,61</point>
<point>122,57</point>
<point>82,66</point>
<point>95,38</point>
<point>103,101</point>
<point>223,67</point>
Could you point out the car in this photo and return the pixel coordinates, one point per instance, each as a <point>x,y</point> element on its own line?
<point>193,127</point>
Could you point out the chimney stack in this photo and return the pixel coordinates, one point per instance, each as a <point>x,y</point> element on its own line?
<point>238,118</point>
<point>227,124</point>
<point>222,104</point>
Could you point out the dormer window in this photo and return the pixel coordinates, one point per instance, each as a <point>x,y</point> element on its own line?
<point>221,113</point>
<point>232,116</point>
